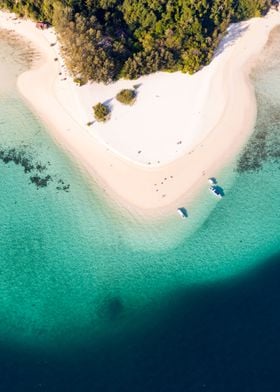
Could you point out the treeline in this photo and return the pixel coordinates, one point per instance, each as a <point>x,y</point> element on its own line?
<point>104,40</point>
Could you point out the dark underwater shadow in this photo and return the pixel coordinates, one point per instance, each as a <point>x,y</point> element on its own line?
<point>220,338</point>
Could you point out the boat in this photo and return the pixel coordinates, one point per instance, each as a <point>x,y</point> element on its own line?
<point>212,181</point>
<point>182,212</point>
<point>216,191</point>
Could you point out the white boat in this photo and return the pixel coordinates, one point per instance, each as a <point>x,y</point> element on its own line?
<point>182,212</point>
<point>212,181</point>
<point>216,191</point>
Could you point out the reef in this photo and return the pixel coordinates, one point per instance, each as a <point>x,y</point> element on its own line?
<point>264,144</point>
<point>37,170</point>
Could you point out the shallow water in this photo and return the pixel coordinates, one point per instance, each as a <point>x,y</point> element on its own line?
<point>93,299</point>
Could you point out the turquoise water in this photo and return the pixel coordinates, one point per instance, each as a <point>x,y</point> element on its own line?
<point>74,269</point>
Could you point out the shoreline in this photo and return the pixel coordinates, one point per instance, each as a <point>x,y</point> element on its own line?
<point>229,116</point>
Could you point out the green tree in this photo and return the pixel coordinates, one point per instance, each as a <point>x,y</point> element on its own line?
<point>103,40</point>
<point>101,112</point>
<point>126,96</point>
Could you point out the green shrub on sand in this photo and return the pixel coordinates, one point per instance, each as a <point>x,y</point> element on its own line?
<point>126,96</point>
<point>101,112</point>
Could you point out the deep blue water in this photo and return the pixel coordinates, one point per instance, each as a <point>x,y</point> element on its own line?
<point>227,340</point>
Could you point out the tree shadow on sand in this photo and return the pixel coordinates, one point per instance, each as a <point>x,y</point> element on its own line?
<point>233,33</point>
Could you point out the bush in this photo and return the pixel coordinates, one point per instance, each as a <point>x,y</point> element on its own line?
<point>101,112</point>
<point>79,81</point>
<point>127,97</point>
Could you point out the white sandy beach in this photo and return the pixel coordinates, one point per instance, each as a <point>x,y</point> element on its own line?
<point>186,127</point>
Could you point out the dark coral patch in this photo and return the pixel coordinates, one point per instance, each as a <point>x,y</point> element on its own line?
<point>37,170</point>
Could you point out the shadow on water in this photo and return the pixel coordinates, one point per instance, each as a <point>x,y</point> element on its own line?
<point>223,337</point>
<point>111,309</point>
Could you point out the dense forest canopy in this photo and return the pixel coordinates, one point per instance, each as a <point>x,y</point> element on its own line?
<point>104,40</point>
